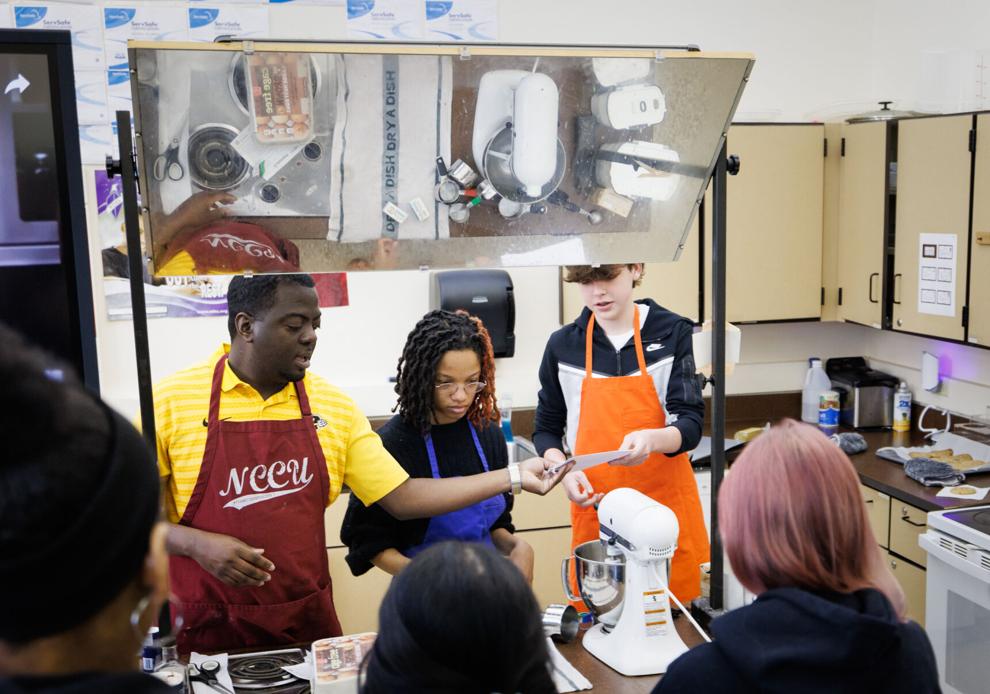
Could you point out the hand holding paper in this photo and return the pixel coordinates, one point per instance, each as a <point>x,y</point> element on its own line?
<point>583,462</point>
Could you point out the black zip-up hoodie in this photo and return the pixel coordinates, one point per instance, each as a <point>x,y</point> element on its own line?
<point>667,349</point>
<point>790,640</point>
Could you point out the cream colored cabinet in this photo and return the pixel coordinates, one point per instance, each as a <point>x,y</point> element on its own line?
<point>933,188</point>
<point>912,582</point>
<point>356,598</point>
<point>862,152</point>
<point>897,525</point>
<point>550,548</point>
<point>979,262</point>
<point>878,513</point>
<point>774,214</point>
<point>674,286</point>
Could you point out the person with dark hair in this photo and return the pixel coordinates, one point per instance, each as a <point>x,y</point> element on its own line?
<point>80,587</point>
<point>253,448</point>
<point>829,616</point>
<point>622,377</point>
<point>447,426</point>
<point>459,619</point>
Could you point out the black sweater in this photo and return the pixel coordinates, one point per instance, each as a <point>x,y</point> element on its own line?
<point>667,349</point>
<point>368,530</point>
<point>789,640</point>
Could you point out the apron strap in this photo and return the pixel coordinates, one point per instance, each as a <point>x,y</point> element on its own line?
<point>589,331</point>
<point>304,409</point>
<point>214,415</point>
<point>637,339</point>
<point>477,446</point>
<point>432,453</point>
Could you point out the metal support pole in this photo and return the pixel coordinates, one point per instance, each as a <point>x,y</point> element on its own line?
<point>718,367</point>
<point>136,266</point>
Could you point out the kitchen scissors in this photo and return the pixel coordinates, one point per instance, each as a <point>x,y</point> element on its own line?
<point>167,163</point>
<point>206,672</point>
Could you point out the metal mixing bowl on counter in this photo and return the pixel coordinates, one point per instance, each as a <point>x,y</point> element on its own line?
<point>601,581</point>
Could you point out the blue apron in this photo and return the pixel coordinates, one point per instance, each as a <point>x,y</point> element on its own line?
<point>470,524</point>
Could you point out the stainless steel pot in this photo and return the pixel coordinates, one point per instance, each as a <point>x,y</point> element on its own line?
<point>601,581</point>
<point>884,113</point>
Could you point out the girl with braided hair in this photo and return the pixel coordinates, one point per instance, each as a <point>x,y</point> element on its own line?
<point>447,426</point>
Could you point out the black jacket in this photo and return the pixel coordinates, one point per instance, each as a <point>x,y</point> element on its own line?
<point>368,530</point>
<point>789,640</point>
<point>667,349</point>
<point>87,683</point>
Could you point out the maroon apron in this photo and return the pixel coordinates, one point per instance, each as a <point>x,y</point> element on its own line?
<point>265,483</point>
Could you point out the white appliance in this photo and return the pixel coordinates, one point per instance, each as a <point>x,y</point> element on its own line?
<point>957,612</point>
<point>514,140</point>
<point>636,169</point>
<point>635,634</point>
<point>635,106</point>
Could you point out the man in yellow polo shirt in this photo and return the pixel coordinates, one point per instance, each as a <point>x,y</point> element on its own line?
<point>252,449</point>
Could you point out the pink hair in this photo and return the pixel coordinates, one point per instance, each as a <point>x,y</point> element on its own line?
<point>792,516</point>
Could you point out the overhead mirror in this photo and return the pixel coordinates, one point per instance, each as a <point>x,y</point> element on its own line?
<point>277,157</point>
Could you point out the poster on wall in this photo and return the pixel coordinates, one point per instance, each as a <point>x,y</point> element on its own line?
<point>385,20</point>
<point>326,3</point>
<point>206,23</point>
<point>82,20</point>
<point>462,20</point>
<point>180,296</point>
<point>937,274</point>
<point>157,21</point>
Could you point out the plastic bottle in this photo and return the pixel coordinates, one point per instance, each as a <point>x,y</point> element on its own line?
<point>902,408</point>
<point>816,382</point>
<point>150,651</point>
<point>505,409</point>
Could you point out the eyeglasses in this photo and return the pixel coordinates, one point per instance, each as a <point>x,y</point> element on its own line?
<point>451,388</point>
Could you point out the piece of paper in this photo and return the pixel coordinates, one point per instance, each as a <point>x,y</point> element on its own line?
<point>158,21</point>
<point>566,677</point>
<point>462,20</point>
<point>583,462</point>
<point>118,91</point>
<point>267,160</point>
<point>964,491</point>
<point>83,21</point>
<point>240,21</point>
<point>937,274</point>
<point>385,20</point>
<point>223,676</point>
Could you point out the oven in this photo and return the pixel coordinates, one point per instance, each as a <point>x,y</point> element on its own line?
<point>957,611</point>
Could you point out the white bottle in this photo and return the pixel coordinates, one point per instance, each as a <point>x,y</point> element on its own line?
<point>902,408</point>
<point>816,382</point>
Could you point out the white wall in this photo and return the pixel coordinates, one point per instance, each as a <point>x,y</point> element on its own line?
<point>813,61</point>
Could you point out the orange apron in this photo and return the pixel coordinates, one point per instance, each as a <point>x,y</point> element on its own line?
<point>611,408</point>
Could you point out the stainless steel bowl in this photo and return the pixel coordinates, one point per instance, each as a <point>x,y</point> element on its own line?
<point>497,167</point>
<point>601,581</point>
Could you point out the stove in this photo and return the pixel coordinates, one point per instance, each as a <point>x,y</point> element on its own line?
<point>262,672</point>
<point>970,524</point>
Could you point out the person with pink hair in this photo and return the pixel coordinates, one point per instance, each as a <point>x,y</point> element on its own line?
<point>829,616</point>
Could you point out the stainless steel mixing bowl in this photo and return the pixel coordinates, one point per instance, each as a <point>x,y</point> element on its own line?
<point>601,581</point>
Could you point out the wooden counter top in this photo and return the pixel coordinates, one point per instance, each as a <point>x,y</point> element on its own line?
<point>605,679</point>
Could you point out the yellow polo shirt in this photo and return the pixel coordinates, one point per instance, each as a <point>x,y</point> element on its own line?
<point>354,452</point>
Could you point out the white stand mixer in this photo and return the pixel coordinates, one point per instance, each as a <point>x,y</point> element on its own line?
<point>641,639</point>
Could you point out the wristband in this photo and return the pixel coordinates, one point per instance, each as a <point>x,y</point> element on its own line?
<point>515,478</point>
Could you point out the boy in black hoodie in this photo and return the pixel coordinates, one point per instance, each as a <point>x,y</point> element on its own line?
<point>622,376</point>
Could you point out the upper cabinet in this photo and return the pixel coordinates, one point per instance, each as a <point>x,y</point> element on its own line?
<point>979,269</point>
<point>932,226</point>
<point>773,223</point>
<point>862,153</point>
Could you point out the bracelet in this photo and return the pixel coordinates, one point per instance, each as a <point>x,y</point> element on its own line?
<point>515,478</point>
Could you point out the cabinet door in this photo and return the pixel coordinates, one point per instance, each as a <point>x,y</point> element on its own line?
<point>550,548</point>
<point>877,512</point>
<point>979,263</point>
<point>356,598</point>
<point>774,210</point>
<point>907,524</point>
<point>862,200</point>
<point>912,581</point>
<point>933,182</point>
<point>674,285</point>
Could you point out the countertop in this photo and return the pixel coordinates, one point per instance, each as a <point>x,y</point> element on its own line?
<point>605,679</point>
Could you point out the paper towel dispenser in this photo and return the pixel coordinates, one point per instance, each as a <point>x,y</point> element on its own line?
<point>486,294</point>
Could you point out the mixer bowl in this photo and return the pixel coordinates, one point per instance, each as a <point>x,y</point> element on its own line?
<point>601,581</point>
